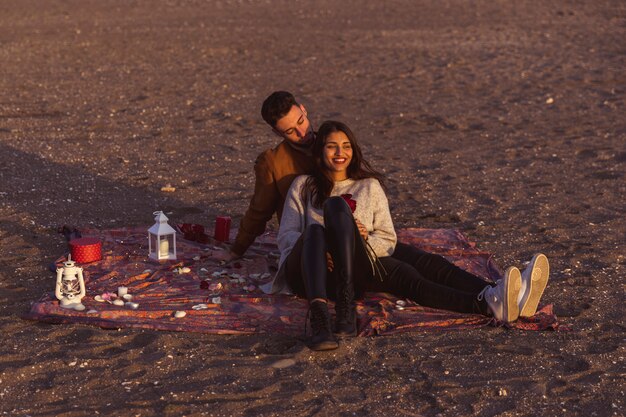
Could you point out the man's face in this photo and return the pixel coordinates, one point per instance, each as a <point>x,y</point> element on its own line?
<point>295,126</point>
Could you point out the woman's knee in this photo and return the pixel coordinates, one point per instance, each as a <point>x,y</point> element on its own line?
<point>334,205</point>
<point>313,231</point>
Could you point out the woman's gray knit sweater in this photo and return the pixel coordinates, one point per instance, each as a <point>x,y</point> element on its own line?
<point>372,210</point>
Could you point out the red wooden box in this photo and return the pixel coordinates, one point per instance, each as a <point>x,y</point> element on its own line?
<point>86,249</point>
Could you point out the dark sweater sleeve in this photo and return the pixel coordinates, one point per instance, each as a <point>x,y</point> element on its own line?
<point>262,205</point>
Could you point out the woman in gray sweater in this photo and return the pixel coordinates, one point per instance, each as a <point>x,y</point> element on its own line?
<point>336,239</point>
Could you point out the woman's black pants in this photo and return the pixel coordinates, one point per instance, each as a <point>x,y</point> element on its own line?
<point>428,279</point>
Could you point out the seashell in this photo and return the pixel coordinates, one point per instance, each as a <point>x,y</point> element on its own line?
<point>216,300</point>
<point>179,314</point>
<point>399,308</point>
<point>118,302</point>
<point>204,270</point>
<point>401,303</point>
<point>236,276</point>
<point>99,299</point>
<point>216,286</point>
<point>132,305</point>
<point>127,297</point>
<point>255,276</point>
<point>147,271</point>
<point>196,258</point>
<point>92,311</point>
<point>242,280</point>
<point>200,307</point>
<point>185,270</point>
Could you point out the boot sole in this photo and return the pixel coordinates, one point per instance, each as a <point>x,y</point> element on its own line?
<point>345,334</point>
<point>539,280</point>
<point>513,283</point>
<point>327,345</point>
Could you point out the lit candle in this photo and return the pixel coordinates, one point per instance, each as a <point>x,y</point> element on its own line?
<point>122,291</point>
<point>164,248</point>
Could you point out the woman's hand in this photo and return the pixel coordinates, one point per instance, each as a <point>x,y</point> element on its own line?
<point>329,262</point>
<point>362,230</point>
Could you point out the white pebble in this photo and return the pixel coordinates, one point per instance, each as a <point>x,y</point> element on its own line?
<point>180,314</point>
<point>132,306</point>
<point>118,302</point>
<point>401,303</point>
<point>127,297</point>
<point>216,300</point>
<point>99,298</point>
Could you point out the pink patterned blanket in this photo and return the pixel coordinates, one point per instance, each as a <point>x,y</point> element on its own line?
<point>223,299</point>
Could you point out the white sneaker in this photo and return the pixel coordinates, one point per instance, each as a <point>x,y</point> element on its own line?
<point>534,281</point>
<point>502,299</point>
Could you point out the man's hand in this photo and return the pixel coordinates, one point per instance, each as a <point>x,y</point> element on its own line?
<point>362,230</point>
<point>329,262</point>
<point>224,255</point>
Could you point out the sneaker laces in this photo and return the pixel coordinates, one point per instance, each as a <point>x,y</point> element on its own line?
<point>482,293</point>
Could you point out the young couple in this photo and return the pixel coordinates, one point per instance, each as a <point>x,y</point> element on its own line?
<point>337,240</point>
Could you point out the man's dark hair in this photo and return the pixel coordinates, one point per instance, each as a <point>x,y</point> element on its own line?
<point>276,106</point>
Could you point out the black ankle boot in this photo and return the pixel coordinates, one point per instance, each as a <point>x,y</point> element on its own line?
<point>345,310</point>
<point>322,337</point>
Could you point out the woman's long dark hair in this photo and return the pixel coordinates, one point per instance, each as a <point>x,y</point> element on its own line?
<point>320,183</point>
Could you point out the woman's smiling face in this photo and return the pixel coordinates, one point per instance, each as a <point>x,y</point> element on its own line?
<point>337,155</point>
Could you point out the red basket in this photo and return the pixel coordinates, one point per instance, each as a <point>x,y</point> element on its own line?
<point>86,249</point>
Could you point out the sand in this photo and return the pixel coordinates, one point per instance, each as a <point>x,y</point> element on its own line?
<point>502,119</point>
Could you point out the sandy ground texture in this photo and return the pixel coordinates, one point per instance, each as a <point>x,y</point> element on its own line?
<point>503,119</point>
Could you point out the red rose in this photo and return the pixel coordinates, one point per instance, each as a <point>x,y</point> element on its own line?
<point>350,201</point>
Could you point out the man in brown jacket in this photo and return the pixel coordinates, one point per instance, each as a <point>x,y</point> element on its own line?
<point>275,168</point>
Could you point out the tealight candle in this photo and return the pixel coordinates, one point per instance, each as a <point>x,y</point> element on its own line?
<point>122,291</point>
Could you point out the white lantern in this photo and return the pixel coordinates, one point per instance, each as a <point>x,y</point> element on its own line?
<point>70,286</point>
<point>161,239</point>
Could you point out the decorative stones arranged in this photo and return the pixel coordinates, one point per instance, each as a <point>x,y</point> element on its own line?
<point>121,299</point>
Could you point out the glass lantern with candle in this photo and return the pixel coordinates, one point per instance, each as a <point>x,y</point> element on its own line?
<point>161,239</point>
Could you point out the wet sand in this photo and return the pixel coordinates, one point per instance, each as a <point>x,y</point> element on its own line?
<point>504,120</point>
